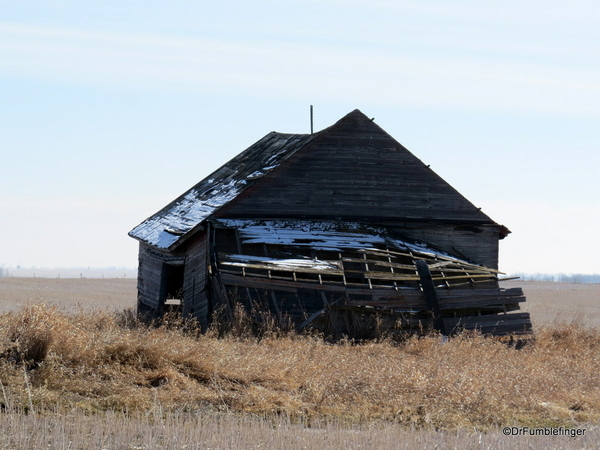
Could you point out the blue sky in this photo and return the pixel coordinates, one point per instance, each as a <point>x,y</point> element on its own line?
<point>109,110</point>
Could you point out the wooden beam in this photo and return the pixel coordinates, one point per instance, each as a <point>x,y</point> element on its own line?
<point>431,296</point>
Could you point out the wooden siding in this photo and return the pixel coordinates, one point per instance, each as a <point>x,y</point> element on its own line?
<point>476,244</point>
<point>150,280</point>
<point>196,303</point>
<point>354,170</point>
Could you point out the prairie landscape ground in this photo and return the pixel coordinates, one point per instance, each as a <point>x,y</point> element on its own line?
<point>83,373</point>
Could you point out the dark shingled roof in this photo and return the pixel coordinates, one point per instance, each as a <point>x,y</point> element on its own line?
<point>169,225</point>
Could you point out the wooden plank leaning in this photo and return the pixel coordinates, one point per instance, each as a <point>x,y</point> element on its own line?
<point>431,296</point>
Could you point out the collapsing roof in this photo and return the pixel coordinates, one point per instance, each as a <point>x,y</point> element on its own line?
<point>351,267</point>
<point>165,228</point>
<point>332,236</point>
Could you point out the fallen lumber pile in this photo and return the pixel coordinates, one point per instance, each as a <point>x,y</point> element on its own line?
<point>366,291</point>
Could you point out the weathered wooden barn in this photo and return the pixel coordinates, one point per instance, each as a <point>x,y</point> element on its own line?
<point>332,229</point>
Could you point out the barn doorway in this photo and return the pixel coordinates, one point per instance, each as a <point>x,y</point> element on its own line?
<point>172,287</point>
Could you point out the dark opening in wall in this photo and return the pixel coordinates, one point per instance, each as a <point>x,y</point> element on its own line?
<point>172,289</point>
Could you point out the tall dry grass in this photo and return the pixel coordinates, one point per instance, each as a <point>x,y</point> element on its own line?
<point>97,362</point>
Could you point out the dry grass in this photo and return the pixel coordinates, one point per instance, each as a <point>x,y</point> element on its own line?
<point>152,431</point>
<point>100,361</point>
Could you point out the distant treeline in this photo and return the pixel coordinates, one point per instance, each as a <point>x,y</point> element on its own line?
<point>64,272</point>
<point>560,277</point>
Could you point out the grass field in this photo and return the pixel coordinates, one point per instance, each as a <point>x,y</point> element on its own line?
<point>70,294</point>
<point>229,431</point>
<point>94,375</point>
<point>548,302</point>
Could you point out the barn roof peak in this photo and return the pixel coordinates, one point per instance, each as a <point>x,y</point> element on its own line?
<point>179,220</point>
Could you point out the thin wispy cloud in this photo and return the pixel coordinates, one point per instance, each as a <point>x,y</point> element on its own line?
<point>110,109</point>
<point>296,70</point>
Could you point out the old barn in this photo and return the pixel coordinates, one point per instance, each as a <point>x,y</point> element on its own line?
<point>330,230</point>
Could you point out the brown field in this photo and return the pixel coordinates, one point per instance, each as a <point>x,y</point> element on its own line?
<point>68,293</point>
<point>548,302</point>
<point>96,379</point>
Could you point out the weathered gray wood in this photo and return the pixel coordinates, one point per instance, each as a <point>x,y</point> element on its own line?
<point>195,287</point>
<point>149,281</point>
<point>431,296</point>
<point>356,170</point>
<point>311,319</point>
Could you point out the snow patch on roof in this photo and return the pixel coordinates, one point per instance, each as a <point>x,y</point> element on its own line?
<point>162,231</point>
<point>165,228</point>
<point>322,235</point>
<point>285,264</point>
